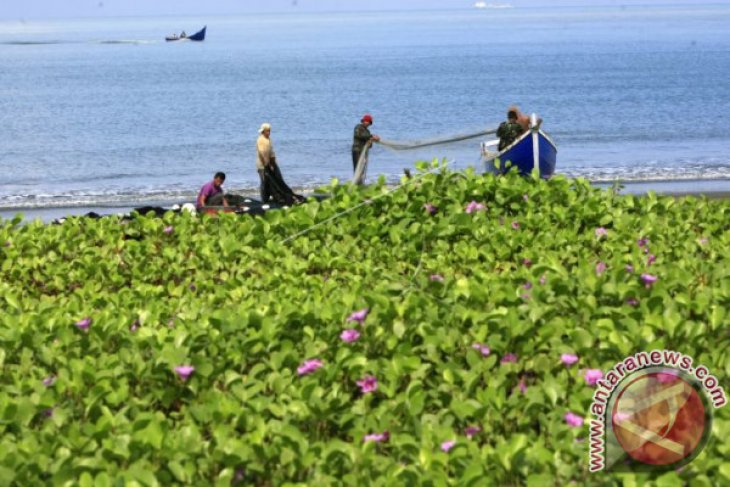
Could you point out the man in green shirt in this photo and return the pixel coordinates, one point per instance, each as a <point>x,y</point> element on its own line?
<point>509,131</point>
<point>361,138</point>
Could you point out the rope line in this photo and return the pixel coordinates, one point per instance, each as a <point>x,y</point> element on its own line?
<point>366,202</point>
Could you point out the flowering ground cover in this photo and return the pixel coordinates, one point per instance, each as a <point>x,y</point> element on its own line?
<point>450,332</point>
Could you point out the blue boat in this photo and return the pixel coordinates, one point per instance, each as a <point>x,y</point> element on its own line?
<point>198,36</point>
<point>533,149</point>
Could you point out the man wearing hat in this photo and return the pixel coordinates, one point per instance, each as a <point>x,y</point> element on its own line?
<point>265,158</point>
<point>362,138</point>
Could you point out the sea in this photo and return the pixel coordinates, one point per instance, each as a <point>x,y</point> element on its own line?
<point>104,113</point>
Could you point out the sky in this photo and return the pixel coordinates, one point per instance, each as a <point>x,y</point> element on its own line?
<point>48,9</point>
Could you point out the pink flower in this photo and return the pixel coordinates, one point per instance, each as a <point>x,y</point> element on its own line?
<point>509,358</point>
<point>135,326</point>
<point>447,445</point>
<point>648,279</point>
<point>474,206</point>
<point>600,268</point>
<point>527,262</point>
<point>309,367</point>
<point>359,316</point>
<point>543,279</point>
<point>49,381</point>
<point>632,302</point>
<point>471,431</point>
<point>592,376</point>
<point>430,209</point>
<point>483,349</point>
<point>522,386</point>
<point>516,225</point>
<point>436,278</point>
<point>621,416</point>
<point>368,384</point>
<point>629,268</point>
<point>184,371</point>
<point>377,437</point>
<point>169,229</point>
<point>601,232</point>
<point>527,285</point>
<point>573,420</point>
<point>83,324</point>
<point>651,259</point>
<point>642,242</point>
<point>350,335</point>
<point>568,358</point>
<point>703,240</point>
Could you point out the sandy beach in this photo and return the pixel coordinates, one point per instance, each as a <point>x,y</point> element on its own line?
<point>714,189</point>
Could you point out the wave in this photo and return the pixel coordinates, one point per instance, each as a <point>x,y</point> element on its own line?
<point>58,42</point>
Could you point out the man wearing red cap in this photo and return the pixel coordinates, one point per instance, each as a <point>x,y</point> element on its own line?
<point>362,138</point>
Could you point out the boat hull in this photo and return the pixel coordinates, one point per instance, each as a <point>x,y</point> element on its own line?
<point>534,149</point>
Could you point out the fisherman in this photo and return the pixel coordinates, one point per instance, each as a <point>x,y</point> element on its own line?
<point>273,186</point>
<point>362,138</point>
<point>211,194</point>
<point>510,130</point>
<point>524,120</point>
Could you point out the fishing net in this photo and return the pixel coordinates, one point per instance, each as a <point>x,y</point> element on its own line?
<point>362,165</point>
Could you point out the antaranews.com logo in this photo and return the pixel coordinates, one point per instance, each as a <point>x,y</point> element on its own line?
<point>652,410</point>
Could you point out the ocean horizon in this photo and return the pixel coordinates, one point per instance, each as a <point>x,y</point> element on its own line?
<point>105,113</point>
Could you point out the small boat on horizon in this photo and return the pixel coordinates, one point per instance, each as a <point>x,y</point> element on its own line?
<point>532,150</point>
<point>198,36</point>
<point>481,5</point>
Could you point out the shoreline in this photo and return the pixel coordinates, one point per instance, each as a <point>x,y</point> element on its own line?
<point>710,188</point>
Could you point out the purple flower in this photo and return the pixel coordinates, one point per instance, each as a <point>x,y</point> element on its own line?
<point>83,324</point>
<point>436,278</point>
<point>430,209</point>
<point>525,296</point>
<point>135,326</point>
<point>522,386</point>
<point>184,371</point>
<point>651,259</point>
<point>483,349</point>
<point>600,268</point>
<point>359,316</point>
<point>592,376</point>
<point>573,420</point>
<point>704,240</point>
<point>629,268</point>
<point>543,279</point>
<point>509,358</point>
<point>474,206</point>
<point>169,229</point>
<point>350,335</point>
<point>632,302</point>
<point>377,437</point>
<point>601,232</point>
<point>309,366</point>
<point>193,287</point>
<point>447,445</point>
<point>527,285</point>
<point>368,384</point>
<point>642,242</point>
<point>49,381</point>
<point>648,279</point>
<point>471,431</point>
<point>516,225</point>
<point>527,262</point>
<point>568,358</point>
<point>48,412</point>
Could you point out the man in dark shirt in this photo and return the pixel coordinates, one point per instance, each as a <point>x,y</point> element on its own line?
<point>361,138</point>
<point>509,131</point>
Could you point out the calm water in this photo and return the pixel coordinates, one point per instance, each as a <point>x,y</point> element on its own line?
<point>104,112</point>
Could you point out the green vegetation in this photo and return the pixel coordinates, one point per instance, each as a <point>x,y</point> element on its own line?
<point>469,308</point>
